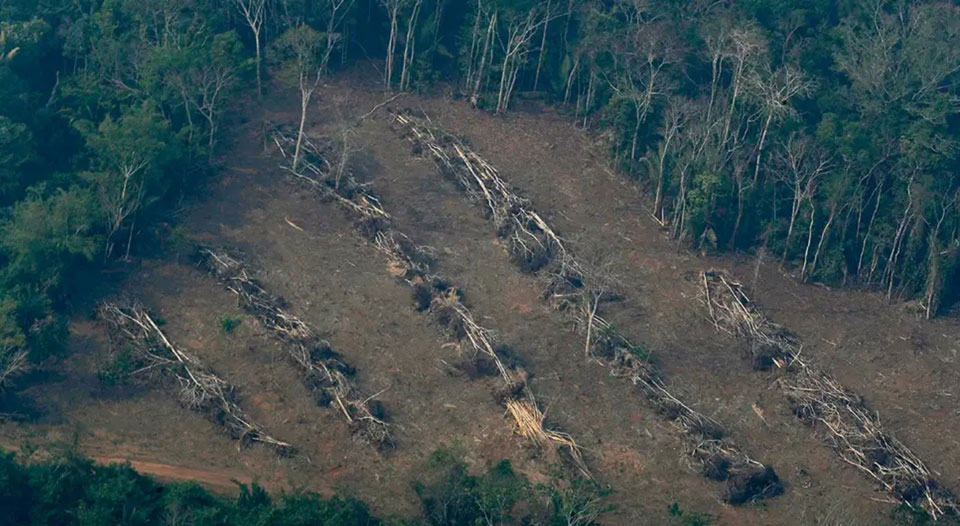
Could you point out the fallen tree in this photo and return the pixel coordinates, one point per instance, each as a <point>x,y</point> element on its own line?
<point>155,357</point>
<point>323,371</point>
<point>841,416</point>
<point>573,288</point>
<point>431,293</point>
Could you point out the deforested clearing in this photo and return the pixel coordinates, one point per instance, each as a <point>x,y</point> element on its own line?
<point>360,285</point>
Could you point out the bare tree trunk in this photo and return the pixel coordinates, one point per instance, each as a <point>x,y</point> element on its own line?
<point>589,101</point>
<point>823,236</point>
<point>866,235</point>
<point>259,61</point>
<point>897,241</point>
<point>795,209</point>
<point>391,43</point>
<point>474,41</point>
<point>932,294</point>
<point>806,252</point>
<point>543,47</point>
<point>570,77</point>
<point>763,138</point>
<point>409,46</point>
<point>305,94</point>
<point>503,78</point>
<point>481,71</point>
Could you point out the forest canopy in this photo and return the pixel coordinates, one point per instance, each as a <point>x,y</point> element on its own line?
<point>820,133</point>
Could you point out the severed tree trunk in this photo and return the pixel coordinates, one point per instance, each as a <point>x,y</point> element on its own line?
<point>823,236</point>
<point>409,46</point>
<point>393,10</point>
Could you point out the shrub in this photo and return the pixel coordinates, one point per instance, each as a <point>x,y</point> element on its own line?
<point>229,323</point>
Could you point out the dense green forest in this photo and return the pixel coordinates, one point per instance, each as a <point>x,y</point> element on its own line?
<point>821,133</point>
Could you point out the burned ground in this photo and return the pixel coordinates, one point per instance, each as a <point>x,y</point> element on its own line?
<point>309,253</point>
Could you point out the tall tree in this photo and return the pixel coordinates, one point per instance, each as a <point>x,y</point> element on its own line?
<point>300,50</point>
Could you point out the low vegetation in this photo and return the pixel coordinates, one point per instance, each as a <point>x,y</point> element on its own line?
<point>72,490</point>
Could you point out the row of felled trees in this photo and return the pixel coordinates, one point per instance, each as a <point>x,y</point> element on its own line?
<point>822,132</point>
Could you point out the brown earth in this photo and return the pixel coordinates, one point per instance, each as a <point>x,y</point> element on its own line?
<point>308,252</point>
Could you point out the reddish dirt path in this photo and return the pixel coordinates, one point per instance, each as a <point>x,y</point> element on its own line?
<point>219,480</point>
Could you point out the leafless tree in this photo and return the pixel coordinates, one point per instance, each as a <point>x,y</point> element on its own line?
<point>801,165</point>
<point>253,12</point>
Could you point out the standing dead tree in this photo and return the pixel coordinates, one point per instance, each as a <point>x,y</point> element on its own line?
<point>847,424</point>
<point>432,294</point>
<point>156,357</point>
<point>575,290</point>
<point>324,372</point>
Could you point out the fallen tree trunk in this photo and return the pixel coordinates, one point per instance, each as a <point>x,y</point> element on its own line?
<point>536,247</point>
<point>155,356</point>
<point>849,426</point>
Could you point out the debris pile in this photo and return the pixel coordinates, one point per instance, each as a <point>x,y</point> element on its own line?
<point>432,294</point>
<point>849,426</point>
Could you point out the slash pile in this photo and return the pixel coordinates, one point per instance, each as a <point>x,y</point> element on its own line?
<point>431,293</point>
<point>156,357</point>
<point>848,425</point>
<point>324,372</point>
<point>536,247</point>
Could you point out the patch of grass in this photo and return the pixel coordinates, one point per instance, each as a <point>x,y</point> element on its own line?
<point>640,352</point>
<point>229,323</point>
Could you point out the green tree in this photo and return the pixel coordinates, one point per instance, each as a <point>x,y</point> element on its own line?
<point>129,156</point>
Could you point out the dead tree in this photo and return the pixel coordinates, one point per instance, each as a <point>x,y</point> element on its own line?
<point>802,166</point>
<point>410,46</point>
<point>393,11</point>
<point>516,49</point>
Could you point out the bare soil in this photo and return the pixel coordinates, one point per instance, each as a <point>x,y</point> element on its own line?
<point>308,252</point>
